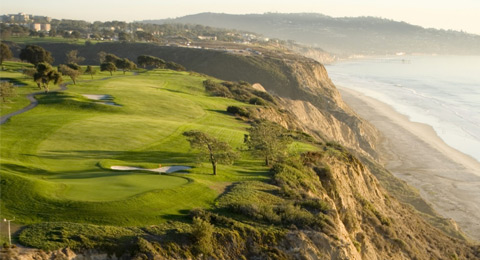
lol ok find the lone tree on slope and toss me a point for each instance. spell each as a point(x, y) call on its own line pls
point(90, 70)
point(125, 65)
point(35, 55)
point(216, 151)
point(72, 70)
point(108, 66)
point(268, 140)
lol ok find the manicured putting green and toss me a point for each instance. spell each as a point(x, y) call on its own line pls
point(103, 186)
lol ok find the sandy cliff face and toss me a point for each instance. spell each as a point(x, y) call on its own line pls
point(319, 108)
point(369, 223)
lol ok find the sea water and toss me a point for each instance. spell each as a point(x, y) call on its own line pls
point(441, 91)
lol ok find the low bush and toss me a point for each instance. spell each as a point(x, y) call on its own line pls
point(175, 66)
point(264, 95)
point(238, 111)
point(315, 205)
point(216, 89)
point(257, 101)
point(202, 232)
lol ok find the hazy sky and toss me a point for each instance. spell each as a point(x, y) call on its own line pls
point(445, 14)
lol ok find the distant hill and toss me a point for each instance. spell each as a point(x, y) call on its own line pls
point(343, 36)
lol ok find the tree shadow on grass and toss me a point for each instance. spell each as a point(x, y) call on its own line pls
point(90, 174)
point(175, 91)
point(164, 157)
point(23, 169)
point(223, 112)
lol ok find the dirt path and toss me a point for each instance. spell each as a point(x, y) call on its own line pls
point(33, 103)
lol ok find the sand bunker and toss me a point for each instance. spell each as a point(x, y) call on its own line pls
point(97, 97)
point(165, 169)
point(105, 99)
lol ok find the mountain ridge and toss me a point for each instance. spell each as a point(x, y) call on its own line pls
point(343, 36)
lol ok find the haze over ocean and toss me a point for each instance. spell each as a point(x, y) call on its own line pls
point(440, 91)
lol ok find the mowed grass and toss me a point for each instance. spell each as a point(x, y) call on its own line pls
point(53, 157)
point(112, 186)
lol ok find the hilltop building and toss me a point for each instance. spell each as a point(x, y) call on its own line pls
point(35, 23)
point(205, 37)
point(43, 27)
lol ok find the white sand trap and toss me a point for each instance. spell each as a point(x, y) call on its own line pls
point(102, 98)
point(166, 169)
point(97, 97)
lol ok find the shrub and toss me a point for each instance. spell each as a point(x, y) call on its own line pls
point(292, 179)
point(202, 232)
point(216, 89)
point(315, 205)
point(175, 66)
point(238, 111)
point(264, 95)
point(240, 92)
point(257, 101)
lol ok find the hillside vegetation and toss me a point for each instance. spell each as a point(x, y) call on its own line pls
point(319, 199)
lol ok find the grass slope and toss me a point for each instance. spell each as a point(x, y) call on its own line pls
point(55, 158)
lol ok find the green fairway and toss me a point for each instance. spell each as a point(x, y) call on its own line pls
point(110, 186)
point(55, 158)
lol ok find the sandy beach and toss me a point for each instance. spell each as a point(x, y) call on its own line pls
point(445, 177)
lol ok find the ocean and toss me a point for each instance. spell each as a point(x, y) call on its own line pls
point(440, 91)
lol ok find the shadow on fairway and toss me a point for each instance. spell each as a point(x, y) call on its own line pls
point(130, 156)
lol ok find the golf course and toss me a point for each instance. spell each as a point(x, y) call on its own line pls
point(56, 158)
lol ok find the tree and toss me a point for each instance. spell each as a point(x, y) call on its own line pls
point(5, 53)
point(72, 57)
point(45, 74)
point(111, 58)
point(95, 36)
point(123, 36)
point(216, 151)
point(76, 35)
point(147, 60)
point(144, 36)
point(35, 55)
point(7, 90)
point(267, 139)
point(52, 32)
point(108, 66)
point(125, 64)
point(90, 70)
point(72, 71)
point(101, 56)
point(175, 66)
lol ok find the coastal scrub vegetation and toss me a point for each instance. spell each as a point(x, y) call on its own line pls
point(241, 91)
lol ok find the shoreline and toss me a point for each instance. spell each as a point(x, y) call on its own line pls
point(447, 179)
